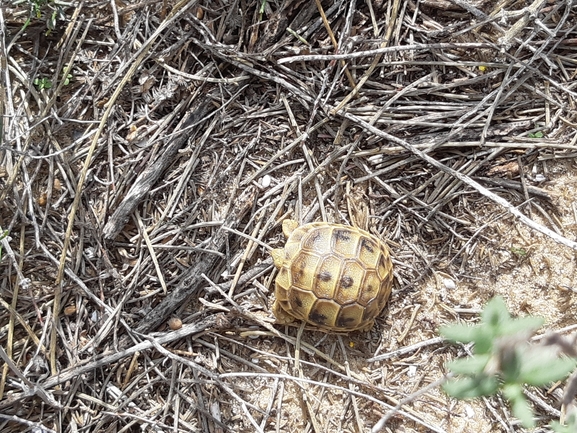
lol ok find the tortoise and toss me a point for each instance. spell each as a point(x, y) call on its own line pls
point(332, 276)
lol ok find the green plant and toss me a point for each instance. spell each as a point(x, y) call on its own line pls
point(521, 252)
point(538, 134)
point(42, 83)
point(570, 427)
point(67, 79)
point(503, 360)
point(49, 10)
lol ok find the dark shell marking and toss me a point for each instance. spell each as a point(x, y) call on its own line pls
point(335, 277)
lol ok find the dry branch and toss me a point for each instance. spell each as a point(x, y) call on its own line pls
point(104, 120)
point(148, 178)
point(192, 280)
point(467, 180)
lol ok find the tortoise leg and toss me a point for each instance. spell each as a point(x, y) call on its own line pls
point(278, 257)
point(282, 317)
point(289, 226)
point(367, 326)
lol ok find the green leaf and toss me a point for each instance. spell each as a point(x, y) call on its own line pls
point(569, 427)
point(519, 405)
point(495, 322)
point(528, 324)
point(557, 427)
point(484, 342)
point(469, 366)
point(469, 334)
point(458, 333)
point(510, 364)
point(540, 369)
point(519, 251)
point(471, 387)
point(51, 22)
point(495, 313)
point(42, 83)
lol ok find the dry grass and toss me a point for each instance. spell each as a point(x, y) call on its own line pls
point(149, 181)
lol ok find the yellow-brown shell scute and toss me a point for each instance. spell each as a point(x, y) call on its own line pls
point(333, 276)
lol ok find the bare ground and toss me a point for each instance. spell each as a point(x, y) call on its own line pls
point(150, 151)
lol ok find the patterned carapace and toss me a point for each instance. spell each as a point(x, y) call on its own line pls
point(332, 276)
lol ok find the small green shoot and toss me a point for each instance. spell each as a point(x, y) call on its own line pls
point(538, 134)
point(503, 360)
point(296, 35)
point(49, 10)
point(42, 83)
point(521, 252)
point(51, 21)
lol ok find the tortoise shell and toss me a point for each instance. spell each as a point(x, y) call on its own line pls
point(335, 277)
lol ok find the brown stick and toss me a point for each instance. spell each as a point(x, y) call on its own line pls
point(207, 262)
point(148, 177)
point(465, 179)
